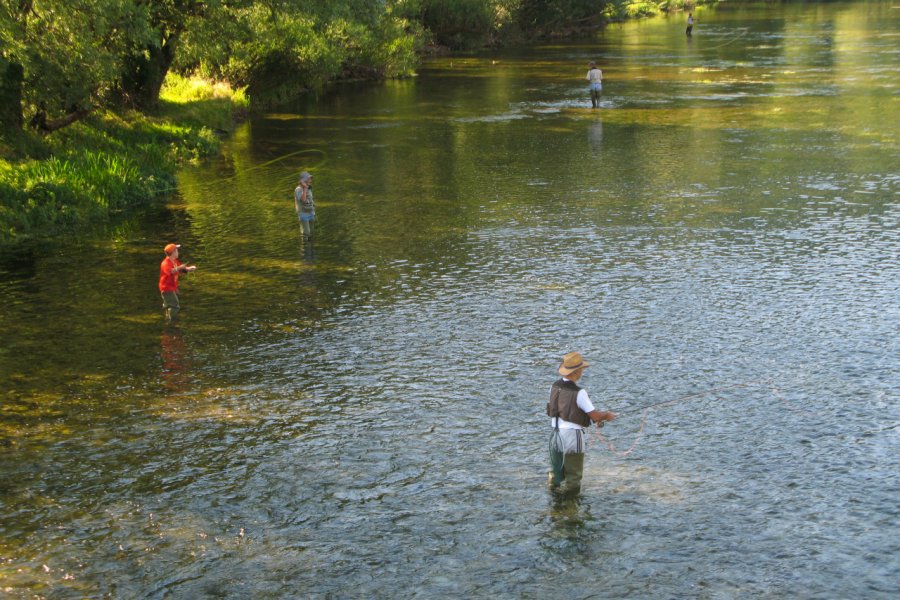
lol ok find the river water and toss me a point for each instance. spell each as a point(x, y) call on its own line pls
point(362, 416)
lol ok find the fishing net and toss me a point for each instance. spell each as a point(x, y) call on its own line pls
point(557, 456)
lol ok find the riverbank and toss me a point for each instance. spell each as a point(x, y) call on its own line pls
point(111, 161)
point(114, 160)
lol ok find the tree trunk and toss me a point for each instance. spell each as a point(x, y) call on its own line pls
point(51, 126)
point(11, 96)
point(147, 72)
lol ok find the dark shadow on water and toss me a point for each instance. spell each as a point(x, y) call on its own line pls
point(574, 533)
point(566, 509)
point(309, 252)
point(19, 263)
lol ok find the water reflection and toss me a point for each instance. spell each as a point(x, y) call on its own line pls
point(176, 362)
point(595, 136)
point(309, 255)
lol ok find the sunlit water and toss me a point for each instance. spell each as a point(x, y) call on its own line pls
point(363, 416)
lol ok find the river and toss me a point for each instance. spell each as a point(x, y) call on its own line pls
point(362, 415)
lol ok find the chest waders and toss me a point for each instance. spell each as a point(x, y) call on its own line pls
point(557, 455)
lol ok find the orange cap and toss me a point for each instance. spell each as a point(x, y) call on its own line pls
point(170, 248)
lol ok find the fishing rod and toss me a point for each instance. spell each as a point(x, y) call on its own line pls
point(766, 382)
point(695, 395)
point(646, 412)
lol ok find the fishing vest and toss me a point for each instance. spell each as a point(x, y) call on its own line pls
point(563, 403)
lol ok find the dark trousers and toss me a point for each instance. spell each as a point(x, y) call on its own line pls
point(171, 306)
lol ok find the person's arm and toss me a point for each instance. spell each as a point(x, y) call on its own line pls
point(184, 268)
point(598, 416)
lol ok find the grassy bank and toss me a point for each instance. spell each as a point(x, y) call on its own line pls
point(630, 9)
point(110, 161)
point(113, 160)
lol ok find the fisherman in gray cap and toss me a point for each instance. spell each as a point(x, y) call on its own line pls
point(304, 204)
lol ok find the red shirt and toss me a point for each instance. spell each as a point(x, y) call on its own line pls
point(168, 274)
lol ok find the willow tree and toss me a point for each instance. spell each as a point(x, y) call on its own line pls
point(279, 48)
point(169, 23)
point(59, 59)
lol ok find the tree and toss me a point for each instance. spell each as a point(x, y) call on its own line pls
point(547, 18)
point(145, 69)
point(279, 48)
point(61, 58)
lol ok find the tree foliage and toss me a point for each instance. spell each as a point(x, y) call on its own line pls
point(69, 53)
point(279, 48)
point(460, 23)
point(553, 17)
point(59, 59)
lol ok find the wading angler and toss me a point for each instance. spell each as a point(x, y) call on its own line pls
point(169, 269)
point(570, 410)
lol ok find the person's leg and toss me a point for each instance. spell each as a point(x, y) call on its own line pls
point(307, 230)
point(574, 469)
point(171, 306)
point(573, 461)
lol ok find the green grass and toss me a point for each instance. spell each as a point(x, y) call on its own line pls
point(90, 171)
point(632, 9)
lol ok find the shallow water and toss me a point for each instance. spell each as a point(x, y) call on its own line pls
point(362, 417)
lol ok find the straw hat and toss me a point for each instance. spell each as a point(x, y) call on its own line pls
point(572, 362)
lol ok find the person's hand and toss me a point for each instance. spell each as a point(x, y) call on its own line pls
point(191, 268)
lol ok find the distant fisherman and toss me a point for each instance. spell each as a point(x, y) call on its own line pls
point(690, 24)
point(169, 270)
point(595, 77)
point(304, 204)
point(571, 410)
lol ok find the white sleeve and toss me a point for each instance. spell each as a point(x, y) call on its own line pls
point(584, 402)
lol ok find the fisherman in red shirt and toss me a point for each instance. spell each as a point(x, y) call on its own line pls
point(168, 280)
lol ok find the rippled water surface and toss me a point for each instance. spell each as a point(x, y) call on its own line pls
point(363, 416)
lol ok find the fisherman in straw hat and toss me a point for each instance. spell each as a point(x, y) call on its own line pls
point(571, 410)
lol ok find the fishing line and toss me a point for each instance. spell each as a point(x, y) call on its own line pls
point(874, 431)
point(743, 32)
point(646, 411)
point(205, 187)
